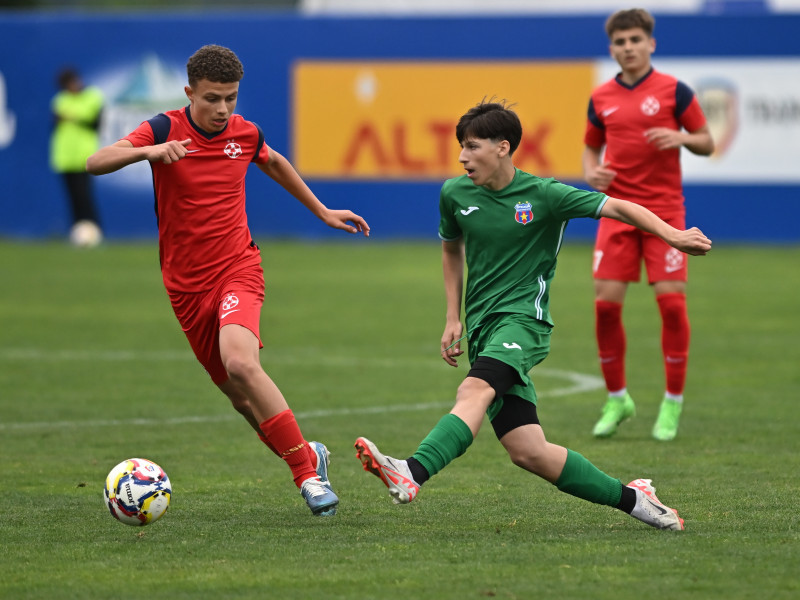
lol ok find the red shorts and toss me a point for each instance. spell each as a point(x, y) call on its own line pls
point(236, 300)
point(620, 248)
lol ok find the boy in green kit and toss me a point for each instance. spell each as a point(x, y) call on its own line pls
point(507, 226)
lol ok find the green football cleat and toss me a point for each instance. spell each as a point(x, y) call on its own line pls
point(666, 427)
point(615, 412)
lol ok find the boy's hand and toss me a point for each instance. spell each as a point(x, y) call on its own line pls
point(169, 152)
point(692, 241)
point(601, 177)
point(341, 219)
point(451, 343)
point(664, 138)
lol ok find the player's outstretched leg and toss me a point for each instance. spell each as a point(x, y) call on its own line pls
point(392, 471)
point(615, 411)
point(649, 509)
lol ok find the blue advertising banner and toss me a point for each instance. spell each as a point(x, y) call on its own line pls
point(138, 61)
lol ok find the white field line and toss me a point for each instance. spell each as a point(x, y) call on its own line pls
point(575, 383)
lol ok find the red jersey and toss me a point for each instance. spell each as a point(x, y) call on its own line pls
point(200, 200)
point(619, 115)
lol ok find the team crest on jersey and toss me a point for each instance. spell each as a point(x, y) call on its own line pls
point(524, 213)
point(233, 150)
point(650, 106)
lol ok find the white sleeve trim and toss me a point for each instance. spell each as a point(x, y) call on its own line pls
point(599, 208)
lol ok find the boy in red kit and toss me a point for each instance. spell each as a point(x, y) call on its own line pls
point(637, 123)
point(210, 264)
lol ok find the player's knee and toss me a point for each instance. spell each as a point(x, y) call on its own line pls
point(673, 310)
point(241, 368)
point(530, 457)
point(473, 395)
point(528, 453)
point(608, 313)
point(471, 388)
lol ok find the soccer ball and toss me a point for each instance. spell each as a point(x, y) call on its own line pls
point(85, 234)
point(137, 491)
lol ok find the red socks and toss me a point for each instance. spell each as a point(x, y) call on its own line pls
point(281, 434)
point(674, 339)
point(675, 331)
point(611, 343)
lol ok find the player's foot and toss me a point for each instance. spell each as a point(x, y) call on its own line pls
point(649, 509)
point(615, 412)
point(392, 471)
point(666, 426)
point(320, 450)
point(319, 497)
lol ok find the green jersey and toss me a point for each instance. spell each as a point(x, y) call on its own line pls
point(511, 238)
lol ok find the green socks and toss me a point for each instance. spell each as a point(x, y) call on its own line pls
point(447, 441)
point(582, 479)
point(451, 437)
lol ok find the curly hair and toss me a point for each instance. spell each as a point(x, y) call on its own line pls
point(631, 19)
point(214, 63)
point(491, 121)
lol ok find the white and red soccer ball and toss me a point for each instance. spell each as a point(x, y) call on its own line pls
point(137, 491)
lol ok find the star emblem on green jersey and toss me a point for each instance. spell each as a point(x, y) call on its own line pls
point(523, 213)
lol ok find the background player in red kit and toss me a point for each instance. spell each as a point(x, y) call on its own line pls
point(641, 118)
point(210, 264)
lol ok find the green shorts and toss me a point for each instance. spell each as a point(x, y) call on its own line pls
point(519, 341)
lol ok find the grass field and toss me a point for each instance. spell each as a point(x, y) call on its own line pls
point(95, 369)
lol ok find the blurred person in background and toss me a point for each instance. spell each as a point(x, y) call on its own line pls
point(637, 124)
point(77, 110)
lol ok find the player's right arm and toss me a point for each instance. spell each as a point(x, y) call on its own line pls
point(691, 241)
point(453, 269)
point(123, 153)
point(596, 173)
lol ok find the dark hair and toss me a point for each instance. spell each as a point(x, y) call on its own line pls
point(214, 63)
point(490, 121)
point(66, 76)
point(630, 19)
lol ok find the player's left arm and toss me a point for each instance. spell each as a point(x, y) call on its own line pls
point(698, 142)
point(691, 241)
point(691, 129)
point(453, 261)
point(284, 174)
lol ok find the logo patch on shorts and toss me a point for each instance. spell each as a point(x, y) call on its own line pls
point(673, 260)
point(230, 302)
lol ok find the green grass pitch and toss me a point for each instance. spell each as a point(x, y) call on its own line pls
point(94, 369)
